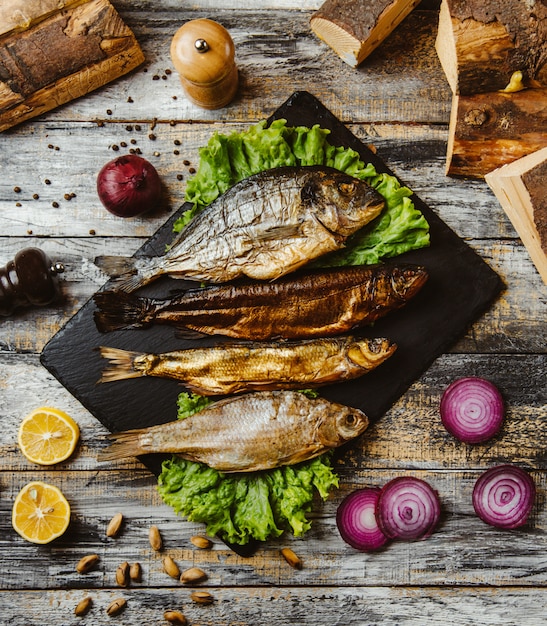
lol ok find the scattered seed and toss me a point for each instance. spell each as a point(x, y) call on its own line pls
point(47, 181)
point(291, 558)
point(55, 205)
point(170, 567)
point(29, 232)
point(132, 151)
point(172, 123)
point(109, 111)
point(17, 189)
point(157, 154)
point(19, 204)
point(168, 71)
point(138, 127)
point(86, 563)
point(114, 525)
point(154, 537)
point(193, 575)
point(135, 572)
point(175, 617)
point(192, 170)
point(177, 152)
point(133, 141)
point(116, 606)
point(138, 151)
point(67, 197)
point(177, 142)
point(155, 77)
point(56, 148)
point(151, 136)
point(115, 148)
point(201, 542)
point(35, 196)
point(100, 124)
point(129, 99)
point(50, 146)
point(164, 77)
point(92, 231)
point(186, 162)
point(83, 606)
point(122, 574)
point(180, 176)
point(202, 597)
point(174, 97)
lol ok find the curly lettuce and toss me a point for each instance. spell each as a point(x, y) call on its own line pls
point(244, 507)
point(227, 159)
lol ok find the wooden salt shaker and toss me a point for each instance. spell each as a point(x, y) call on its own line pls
point(203, 54)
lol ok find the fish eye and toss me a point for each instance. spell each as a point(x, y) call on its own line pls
point(351, 419)
point(346, 189)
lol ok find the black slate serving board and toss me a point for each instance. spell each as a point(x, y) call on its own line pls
point(460, 288)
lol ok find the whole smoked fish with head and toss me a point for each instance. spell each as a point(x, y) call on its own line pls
point(263, 227)
point(255, 431)
point(238, 367)
point(315, 304)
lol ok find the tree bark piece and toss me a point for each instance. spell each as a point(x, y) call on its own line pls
point(354, 28)
point(481, 43)
point(489, 130)
point(61, 57)
point(521, 188)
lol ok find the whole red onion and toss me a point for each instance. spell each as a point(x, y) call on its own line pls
point(129, 186)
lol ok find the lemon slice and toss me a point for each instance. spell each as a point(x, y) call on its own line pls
point(40, 513)
point(48, 436)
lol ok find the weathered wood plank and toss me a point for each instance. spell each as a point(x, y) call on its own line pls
point(277, 56)
point(289, 606)
point(409, 434)
point(463, 551)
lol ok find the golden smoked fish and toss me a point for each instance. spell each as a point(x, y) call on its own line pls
point(237, 367)
point(263, 227)
point(315, 304)
point(255, 431)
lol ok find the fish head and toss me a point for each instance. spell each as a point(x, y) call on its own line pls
point(368, 353)
point(343, 424)
point(407, 280)
point(341, 203)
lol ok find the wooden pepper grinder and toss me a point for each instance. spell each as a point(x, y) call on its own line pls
point(203, 54)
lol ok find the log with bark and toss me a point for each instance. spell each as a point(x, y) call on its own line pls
point(482, 43)
point(489, 130)
point(521, 188)
point(354, 28)
point(49, 56)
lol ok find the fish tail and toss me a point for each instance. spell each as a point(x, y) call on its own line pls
point(123, 445)
point(128, 273)
point(118, 309)
point(122, 365)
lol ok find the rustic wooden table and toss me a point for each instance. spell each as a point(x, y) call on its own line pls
point(399, 101)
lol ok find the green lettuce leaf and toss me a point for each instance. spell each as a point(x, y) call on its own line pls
point(244, 507)
point(227, 159)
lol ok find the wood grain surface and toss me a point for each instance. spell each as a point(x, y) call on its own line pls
point(398, 101)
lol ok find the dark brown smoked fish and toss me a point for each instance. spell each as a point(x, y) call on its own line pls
point(316, 304)
point(258, 366)
point(263, 227)
point(255, 431)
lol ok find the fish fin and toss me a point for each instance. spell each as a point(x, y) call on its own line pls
point(123, 445)
point(118, 309)
point(188, 333)
point(122, 365)
point(284, 231)
point(126, 272)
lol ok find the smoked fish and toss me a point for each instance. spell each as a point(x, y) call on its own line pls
point(263, 227)
point(256, 431)
point(241, 367)
point(315, 304)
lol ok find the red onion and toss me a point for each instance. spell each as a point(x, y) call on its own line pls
point(356, 520)
point(129, 186)
point(472, 410)
point(503, 496)
point(408, 508)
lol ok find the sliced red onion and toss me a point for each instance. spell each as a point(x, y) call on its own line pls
point(472, 409)
point(408, 508)
point(503, 496)
point(356, 520)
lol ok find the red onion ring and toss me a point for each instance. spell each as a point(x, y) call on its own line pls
point(472, 409)
point(356, 520)
point(503, 496)
point(408, 508)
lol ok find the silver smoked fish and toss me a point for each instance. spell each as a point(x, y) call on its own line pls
point(240, 367)
point(263, 227)
point(256, 431)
